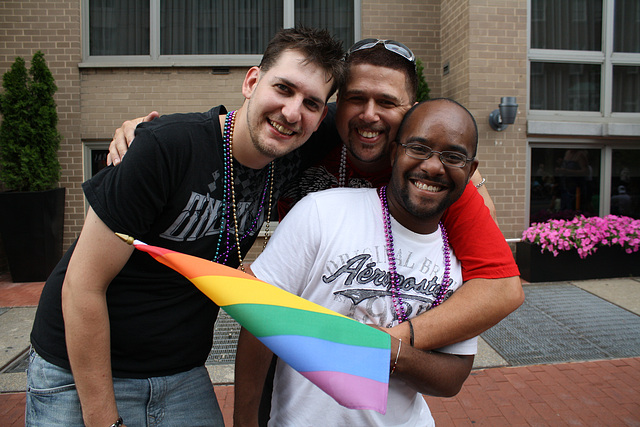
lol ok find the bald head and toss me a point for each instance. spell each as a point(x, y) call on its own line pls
point(433, 160)
point(450, 116)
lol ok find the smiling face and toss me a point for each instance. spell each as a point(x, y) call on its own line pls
point(370, 109)
point(283, 106)
point(420, 190)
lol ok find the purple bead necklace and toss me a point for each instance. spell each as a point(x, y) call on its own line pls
point(229, 207)
point(393, 275)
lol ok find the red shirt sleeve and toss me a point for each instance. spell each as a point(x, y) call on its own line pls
point(476, 239)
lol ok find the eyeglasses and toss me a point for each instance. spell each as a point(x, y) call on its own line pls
point(390, 45)
point(448, 158)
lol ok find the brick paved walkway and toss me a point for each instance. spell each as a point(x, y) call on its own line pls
point(601, 393)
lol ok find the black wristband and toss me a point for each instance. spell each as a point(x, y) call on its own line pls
point(118, 422)
point(410, 332)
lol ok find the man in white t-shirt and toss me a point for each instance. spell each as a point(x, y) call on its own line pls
point(335, 248)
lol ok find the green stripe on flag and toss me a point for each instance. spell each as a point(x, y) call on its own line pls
point(270, 320)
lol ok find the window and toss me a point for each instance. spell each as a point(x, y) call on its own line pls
point(569, 87)
point(625, 182)
point(567, 25)
point(585, 56)
point(565, 182)
point(626, 87)
point(570, 180)
point(117, 28)
point(197, 32)
point(94, 157)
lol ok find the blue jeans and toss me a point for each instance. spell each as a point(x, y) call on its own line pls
point(184, 399)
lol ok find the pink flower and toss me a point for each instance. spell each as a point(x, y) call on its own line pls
point(585, 234)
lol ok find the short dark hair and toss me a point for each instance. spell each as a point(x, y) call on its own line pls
point(412, 110)
point(380, 56)
point(317, 45)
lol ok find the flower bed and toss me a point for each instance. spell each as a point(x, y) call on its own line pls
point(581, 248)
point(585, 234)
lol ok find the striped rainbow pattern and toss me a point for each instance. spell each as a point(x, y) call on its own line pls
point(348, 360)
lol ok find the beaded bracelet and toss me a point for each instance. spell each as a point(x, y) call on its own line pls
point(481, 183)
point(397, 355)
point(410, 332)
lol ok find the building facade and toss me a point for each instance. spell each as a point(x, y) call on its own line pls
point(573, 66)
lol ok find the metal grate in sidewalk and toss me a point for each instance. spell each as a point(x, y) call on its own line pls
point(562, 323)
point(225, 340)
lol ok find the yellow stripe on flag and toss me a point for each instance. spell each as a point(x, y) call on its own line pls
point(239, 290)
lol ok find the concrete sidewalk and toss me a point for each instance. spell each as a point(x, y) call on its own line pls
point(586, 370)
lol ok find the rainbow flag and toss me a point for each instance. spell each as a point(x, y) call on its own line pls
point(348, 360)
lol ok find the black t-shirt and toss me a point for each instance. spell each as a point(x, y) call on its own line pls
point(168, 192)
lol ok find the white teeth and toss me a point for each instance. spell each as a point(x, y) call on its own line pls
point(426, 187)
point(368, 133)
point(281, 128)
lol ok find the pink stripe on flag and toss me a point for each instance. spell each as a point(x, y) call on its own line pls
point(340, 386)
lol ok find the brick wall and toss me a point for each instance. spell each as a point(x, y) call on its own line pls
point(110, 96)
point(415, 23)
point(455, 50)
point(498, 67)
point(53, 27)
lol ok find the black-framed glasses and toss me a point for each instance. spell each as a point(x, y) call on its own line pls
point(390, 45)
point(448, 158)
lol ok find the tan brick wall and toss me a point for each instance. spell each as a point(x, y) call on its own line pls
point(110, 96)
point(498, 67)
point(53, 27)
point(455, 49)
point(415, 23)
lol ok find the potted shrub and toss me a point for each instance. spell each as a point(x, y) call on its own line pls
point(422, 91)
point(581, 248)
point(32, 208)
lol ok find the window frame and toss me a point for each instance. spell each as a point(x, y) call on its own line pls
point(155, 59)
point(601, 123)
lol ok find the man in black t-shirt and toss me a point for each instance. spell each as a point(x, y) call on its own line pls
point(134, 333)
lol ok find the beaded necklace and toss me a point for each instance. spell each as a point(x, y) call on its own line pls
point(229, 197)
point(393, 275)
point(342, 171)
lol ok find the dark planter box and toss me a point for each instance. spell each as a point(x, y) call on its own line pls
point(607, 262)
point(31, 224)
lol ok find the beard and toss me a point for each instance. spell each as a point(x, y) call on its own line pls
point(424, 209)
point(363, 152)
point(258, 141)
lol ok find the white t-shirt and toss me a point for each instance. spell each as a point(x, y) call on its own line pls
point(331, 250)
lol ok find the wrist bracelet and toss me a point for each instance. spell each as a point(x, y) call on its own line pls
point(397, 355)
point(410, 332)
point(118, 423)
point(481, 183)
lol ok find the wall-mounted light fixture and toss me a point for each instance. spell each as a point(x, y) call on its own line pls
point(500, 118)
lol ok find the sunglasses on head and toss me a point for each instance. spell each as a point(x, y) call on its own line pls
point(390, 45)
